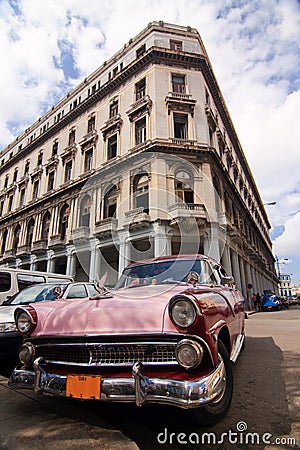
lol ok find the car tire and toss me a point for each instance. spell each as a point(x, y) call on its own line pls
point(214, 411)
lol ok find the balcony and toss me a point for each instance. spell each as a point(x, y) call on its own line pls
point(105, 228)
point(138, 108)
point(23, 181)
point(225, 222)
point(11, 189)
point(179, 211)
point(52, 163)
point(23, 251)
point(37, 172)
point(69, 152)
point(39, 247)
point(180, 102)
point(81, 234)
point(56, 242)
point(89, 139)
point(9, 256)
point(235, 234)
point(182, 142)
point(137, 218)
point(112, 125)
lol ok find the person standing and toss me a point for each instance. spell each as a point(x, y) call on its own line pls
point(254, 300)
point(258, 301)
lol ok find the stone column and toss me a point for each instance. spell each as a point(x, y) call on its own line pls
point(226, 260)
point(243, 279)
point(124, 251)
point(211, 246)
point(71, 261)
point(162, 242)
point(50, 261)
point(94, 262)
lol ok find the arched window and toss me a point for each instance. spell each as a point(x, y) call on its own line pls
point(4, 239)
point(30, 229)
point(85, 211)
point(141, 192)
point(46, 226)
point(183, 187)
point(17, 232)
point(110, 203)
point(64, 218)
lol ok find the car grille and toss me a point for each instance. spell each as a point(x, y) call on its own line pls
point(108, 354)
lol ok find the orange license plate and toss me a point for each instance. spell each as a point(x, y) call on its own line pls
point(83, 386)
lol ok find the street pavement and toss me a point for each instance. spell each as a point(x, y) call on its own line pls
point(30, 422)
point(266, 400)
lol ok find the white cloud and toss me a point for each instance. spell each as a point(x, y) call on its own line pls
point(286, 244)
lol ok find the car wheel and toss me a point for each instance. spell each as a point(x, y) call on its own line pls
point(214, 411)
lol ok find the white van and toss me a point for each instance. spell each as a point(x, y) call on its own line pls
point(14, 280)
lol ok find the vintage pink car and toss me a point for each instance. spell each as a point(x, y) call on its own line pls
point(167, 334)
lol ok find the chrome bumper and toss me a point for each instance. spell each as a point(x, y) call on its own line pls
point(138, 389)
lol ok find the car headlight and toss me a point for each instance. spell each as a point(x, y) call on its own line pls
point(26, 353)
point(183, 312)
point(26, 319)
point(189, 354)
point(6, 327)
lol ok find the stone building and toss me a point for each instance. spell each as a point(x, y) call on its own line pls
point(140, 160)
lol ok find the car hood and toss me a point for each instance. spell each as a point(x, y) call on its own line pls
point(130, 311)
point(7, 313)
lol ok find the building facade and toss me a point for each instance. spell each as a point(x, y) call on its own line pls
point(285, 285)
point(140, 160)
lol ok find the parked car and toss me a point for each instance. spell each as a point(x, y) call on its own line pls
point(167, 334)
point(10, 338)
point(295, 301)
point(286, 302)
point(271, 302)
point(13, 281)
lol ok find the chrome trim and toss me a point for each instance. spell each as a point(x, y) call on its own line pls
point(18, 311)
point(196, 346)
point(237, 347)
point(177, 297)
point(92, 347)
point(177, 338)
point(30, 347)
point(138, 388)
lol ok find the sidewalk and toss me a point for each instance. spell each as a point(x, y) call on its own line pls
point(29, 422)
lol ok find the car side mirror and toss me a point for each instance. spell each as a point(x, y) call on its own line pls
point(227, 280)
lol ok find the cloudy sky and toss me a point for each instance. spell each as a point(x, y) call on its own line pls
point(47, 47)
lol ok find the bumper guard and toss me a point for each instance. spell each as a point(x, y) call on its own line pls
point(138, 389)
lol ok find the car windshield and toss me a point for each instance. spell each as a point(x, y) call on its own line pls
point(161, 272)
point(37, 293)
